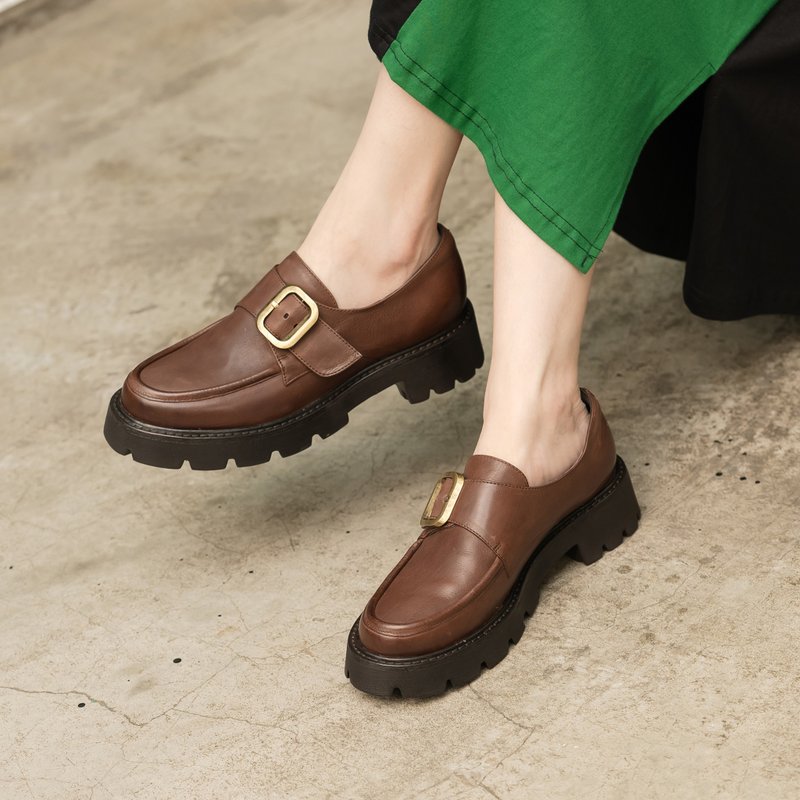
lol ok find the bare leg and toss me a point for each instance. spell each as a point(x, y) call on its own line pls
point(379, 222)
point(533, 415)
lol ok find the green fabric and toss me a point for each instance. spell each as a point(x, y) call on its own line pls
point(561, 95)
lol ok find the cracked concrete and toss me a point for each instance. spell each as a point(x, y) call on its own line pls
point(155, 159)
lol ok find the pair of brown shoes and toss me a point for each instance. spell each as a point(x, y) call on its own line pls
point(288, 363)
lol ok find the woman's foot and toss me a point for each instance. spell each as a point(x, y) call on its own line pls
point(543, 436)
point(544, 481)
point(461, 593)
point(363, 257)
point(372, 298)
point(288, 364)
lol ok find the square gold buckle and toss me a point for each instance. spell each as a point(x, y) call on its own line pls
point(428, 520)
point(301, 330)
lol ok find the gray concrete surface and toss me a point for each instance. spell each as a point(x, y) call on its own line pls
point(155, 159)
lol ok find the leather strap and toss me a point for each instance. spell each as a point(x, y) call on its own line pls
point(322, 350)
point(483, 508)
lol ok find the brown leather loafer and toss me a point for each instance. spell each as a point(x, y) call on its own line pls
point(461, 593)
point(288, 363)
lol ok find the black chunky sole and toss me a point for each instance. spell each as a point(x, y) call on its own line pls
point(433, 365)
point(599, 525)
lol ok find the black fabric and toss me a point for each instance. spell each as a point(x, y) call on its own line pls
point(386, 17)
point(718, 183)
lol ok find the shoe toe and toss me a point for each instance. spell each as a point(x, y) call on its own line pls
point(181, 386)
point(433, 597)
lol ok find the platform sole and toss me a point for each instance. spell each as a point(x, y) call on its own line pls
point(430, 366)
point(586, 534)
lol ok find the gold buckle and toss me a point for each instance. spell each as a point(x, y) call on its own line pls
point(303, 328)
point(444, 515)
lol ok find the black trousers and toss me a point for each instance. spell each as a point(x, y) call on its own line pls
point(718, 183)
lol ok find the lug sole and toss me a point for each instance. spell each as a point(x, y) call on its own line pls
point(586, 534)
point(435, 365)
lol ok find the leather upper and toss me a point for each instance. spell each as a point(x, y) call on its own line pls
point(455, 577)
point(229, 375)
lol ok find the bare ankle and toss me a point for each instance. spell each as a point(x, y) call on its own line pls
point(362, 263)
point(543, 436)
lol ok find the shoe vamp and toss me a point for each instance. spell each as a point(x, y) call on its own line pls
point(446, 576)
point(228, 353)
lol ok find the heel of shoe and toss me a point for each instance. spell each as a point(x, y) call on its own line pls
point(614, 516)
point(456, 358)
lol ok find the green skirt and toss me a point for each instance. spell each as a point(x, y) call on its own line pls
point(560, 96)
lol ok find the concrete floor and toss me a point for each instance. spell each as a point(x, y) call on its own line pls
point(155, 159)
